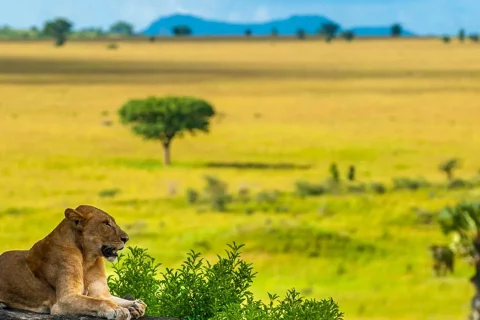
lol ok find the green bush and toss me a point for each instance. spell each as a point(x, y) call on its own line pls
point(136, 276)
point(409, 184)
point(216, 193)
point(192, 196)
point(198, 290)
point(459, 184)
point(108, 193)
point(305, 189)
point(378, 188)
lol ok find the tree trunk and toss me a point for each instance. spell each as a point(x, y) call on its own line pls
point(166, 154)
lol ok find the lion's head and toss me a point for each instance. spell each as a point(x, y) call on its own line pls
point(98, 233)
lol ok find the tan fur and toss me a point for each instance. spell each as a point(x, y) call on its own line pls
point(64, 273)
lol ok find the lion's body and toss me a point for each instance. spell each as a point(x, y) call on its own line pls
point(64, 273)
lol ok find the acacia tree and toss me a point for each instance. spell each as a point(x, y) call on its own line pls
point(122, 27)
point(166, 118)
point(396, 30)
point(58, 28)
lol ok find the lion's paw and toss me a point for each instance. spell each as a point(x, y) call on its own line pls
point(118, 314)
point(137, 309)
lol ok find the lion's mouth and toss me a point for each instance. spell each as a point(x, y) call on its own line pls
point(111, 253)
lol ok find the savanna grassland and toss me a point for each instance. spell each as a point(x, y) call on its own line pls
point(391, 108)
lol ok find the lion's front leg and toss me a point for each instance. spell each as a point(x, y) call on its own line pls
point(99, 289)
point(71, 301)
point(136, 307)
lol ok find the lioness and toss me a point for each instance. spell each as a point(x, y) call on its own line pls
point(64, 273)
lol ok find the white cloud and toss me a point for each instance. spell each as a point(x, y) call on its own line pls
point(261, 14)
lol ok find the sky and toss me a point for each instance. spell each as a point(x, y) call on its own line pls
point(419, 16)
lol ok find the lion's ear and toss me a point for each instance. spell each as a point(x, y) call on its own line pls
point(75, 216)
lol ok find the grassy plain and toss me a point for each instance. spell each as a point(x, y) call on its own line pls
point(392, 108)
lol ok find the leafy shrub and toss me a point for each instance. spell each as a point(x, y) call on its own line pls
point(293, 307)
point(446, 39)
point(378, 188)
point(136, 277)
point(112, 46)
point(198, 290)
point(305, 189)
point(474, 37)
point(192, 196)
point(108, 193)
point(448, 167)
point(409, 184)
point(351, 173)
point(356, 188)
point(216, 193)
point(334, 172)
point(460, 184)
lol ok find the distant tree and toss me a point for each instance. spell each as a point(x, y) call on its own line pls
point(58, 29)
point(248, 32)
point(446, 39)
point(122, 27)
point(396, 30)
point(448, 167)
point(334, 172)
point(461, 35)
point(351, 173)
point(182, 30)
point(166, 118)
point(274, 32)
point(474, 37)
point(329, 30)
point(151, 39)
point(348, 35)
point(301, 34)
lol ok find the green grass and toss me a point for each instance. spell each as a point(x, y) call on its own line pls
point(283, 103)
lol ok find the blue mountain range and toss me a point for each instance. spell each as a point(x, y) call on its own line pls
point(288, 26)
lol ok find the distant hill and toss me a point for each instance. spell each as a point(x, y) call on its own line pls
point(377, 32)
point(202, 27)
point(289, 26)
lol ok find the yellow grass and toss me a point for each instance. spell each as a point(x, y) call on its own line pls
point(392, 108)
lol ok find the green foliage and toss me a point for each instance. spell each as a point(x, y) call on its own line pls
point(329, 30)
point(109, 193)
point(216, 192)
point(448, 167)
point(199, 290)
point(305, 189)
point(463, 221)
point(461, 35)
point(335, 174)
point(474, 37)
point(122, 28)
point(378, 188)
point(409, 184)
point(459, 184)
point(446, 39)
point(182, 31)
point(136, 276)
point(151, 38)
point(396, 30)
point(191, 196)
point(112, 46)
point(348, 35)
point(293, 307)
point(301, 34)
point(351, 173)
point(166, 118)
point(58, 29)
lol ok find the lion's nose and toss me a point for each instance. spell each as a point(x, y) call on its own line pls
point(124, 239)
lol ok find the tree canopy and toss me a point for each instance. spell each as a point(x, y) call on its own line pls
point(58, 28)
point(122, 27)
point(165, 118)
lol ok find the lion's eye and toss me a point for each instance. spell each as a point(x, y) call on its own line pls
point(108, 224)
